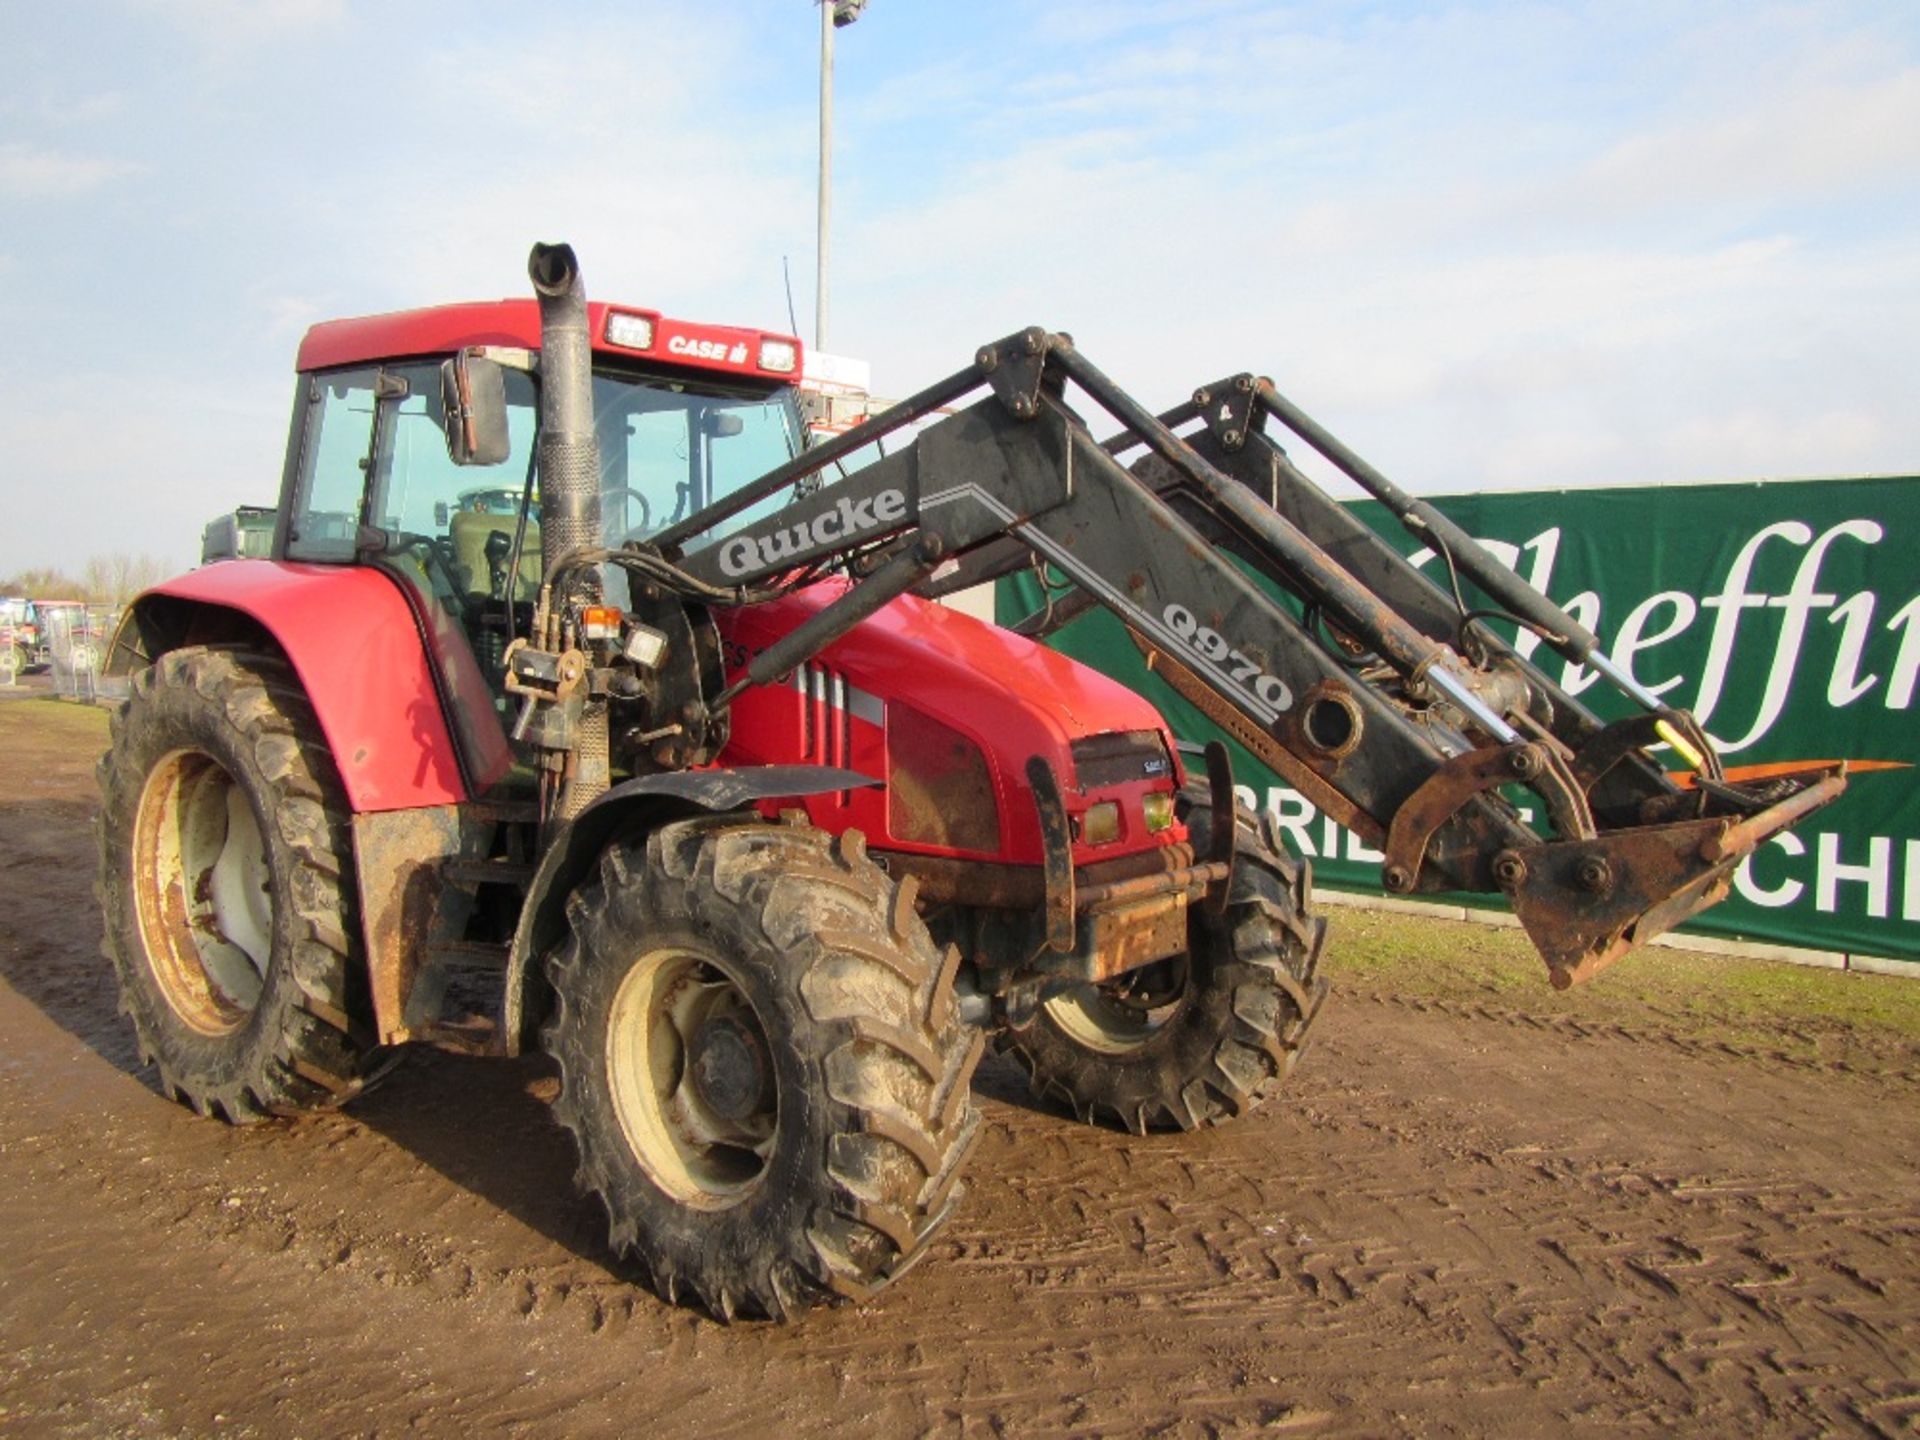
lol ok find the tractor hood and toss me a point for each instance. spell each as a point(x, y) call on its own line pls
point(918, 685)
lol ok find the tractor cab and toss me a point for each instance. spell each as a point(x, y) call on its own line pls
point(684, 415)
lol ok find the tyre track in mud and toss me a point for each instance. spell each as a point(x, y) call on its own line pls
point(1456, 1220)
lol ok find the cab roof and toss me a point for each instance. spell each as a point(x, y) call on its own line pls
point(645, 335)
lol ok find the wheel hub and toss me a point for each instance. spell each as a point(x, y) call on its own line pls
point(729, 1069)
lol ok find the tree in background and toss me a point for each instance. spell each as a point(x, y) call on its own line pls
point(104, 580)
point(115, 579)
point(43, 584)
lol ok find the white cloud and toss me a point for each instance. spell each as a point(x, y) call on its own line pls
point(1809, 142)
point(33, 172)
point(1487, 244)
point(223, 25)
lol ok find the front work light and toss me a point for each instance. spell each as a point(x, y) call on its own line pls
point(629, 332)
point(780, 356)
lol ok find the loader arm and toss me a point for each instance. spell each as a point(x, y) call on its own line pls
point(1412, 748)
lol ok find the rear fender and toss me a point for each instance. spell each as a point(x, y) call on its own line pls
point(632, 808)
point(354, 641)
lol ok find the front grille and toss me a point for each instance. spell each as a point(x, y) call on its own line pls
point(1120, 758)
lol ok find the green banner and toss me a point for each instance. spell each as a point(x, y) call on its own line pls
point(1784, 614)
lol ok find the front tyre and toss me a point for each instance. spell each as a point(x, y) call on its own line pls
point(762, 1065)
point(1198, 1038)
point(225, 880)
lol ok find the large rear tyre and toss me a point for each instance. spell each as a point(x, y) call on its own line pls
point(1198, 1038)
point(762, 1065)
point(225, 881)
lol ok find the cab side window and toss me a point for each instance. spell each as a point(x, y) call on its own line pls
point(333, 465)
point(467, 514)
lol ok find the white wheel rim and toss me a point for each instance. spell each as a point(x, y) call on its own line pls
point(697, 1154)
point(1121, 1016)
point(203, 892)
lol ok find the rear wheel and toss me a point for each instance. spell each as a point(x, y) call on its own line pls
point(762, 1065)
point(225, 881)
point(1197, 1038)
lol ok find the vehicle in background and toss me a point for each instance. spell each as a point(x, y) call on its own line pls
point(244, 533)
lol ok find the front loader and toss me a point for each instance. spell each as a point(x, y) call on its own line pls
point(579, 708)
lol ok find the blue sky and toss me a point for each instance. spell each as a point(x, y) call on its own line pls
point(1499, 244)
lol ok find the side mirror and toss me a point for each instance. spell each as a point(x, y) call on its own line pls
point(473, 398)
point(722, 423)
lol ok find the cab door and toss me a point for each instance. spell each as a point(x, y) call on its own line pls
point(375, 487)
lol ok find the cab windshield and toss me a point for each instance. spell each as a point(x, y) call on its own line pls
point(668, 450)
point(668, 447)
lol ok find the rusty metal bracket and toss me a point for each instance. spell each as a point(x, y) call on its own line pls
point(1014, 368)
point(1222, 848)
point(1745, 836)
point(1586, 903)
point(1056, 844)
point(1612, 745)
point(1264, 747)
point(1230, 409)
point(1474, 773)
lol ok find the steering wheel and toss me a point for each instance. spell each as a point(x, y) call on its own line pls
point(624, 493)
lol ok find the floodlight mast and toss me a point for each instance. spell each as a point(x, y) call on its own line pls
point(834, 14)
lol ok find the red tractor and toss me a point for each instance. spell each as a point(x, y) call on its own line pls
point(581, 708)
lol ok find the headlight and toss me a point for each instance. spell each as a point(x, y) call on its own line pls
point(1100, 824)
point(1159, 808)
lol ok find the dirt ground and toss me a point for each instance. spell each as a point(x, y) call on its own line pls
point(1459, 1220)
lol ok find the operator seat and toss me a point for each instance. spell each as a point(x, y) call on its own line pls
point(470, 530)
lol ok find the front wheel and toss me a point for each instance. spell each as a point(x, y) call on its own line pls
point(1197, 1038)
point(226, 880)
point(762, 1065)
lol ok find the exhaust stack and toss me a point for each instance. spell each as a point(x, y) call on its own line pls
point(569, 458)
point(569, 451)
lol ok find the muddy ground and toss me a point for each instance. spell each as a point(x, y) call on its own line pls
point(1459, 1220)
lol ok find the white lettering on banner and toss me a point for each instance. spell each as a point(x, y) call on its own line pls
point(1630, 640)
point(1873, 875)
point(1760, 879)
point(1900, 687)
point(1781, 895)
point(1797, 603)
point(1734, 607)
point(1845, 686)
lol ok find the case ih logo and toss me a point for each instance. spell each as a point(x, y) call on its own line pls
point(744, 554)
point(735, 354)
